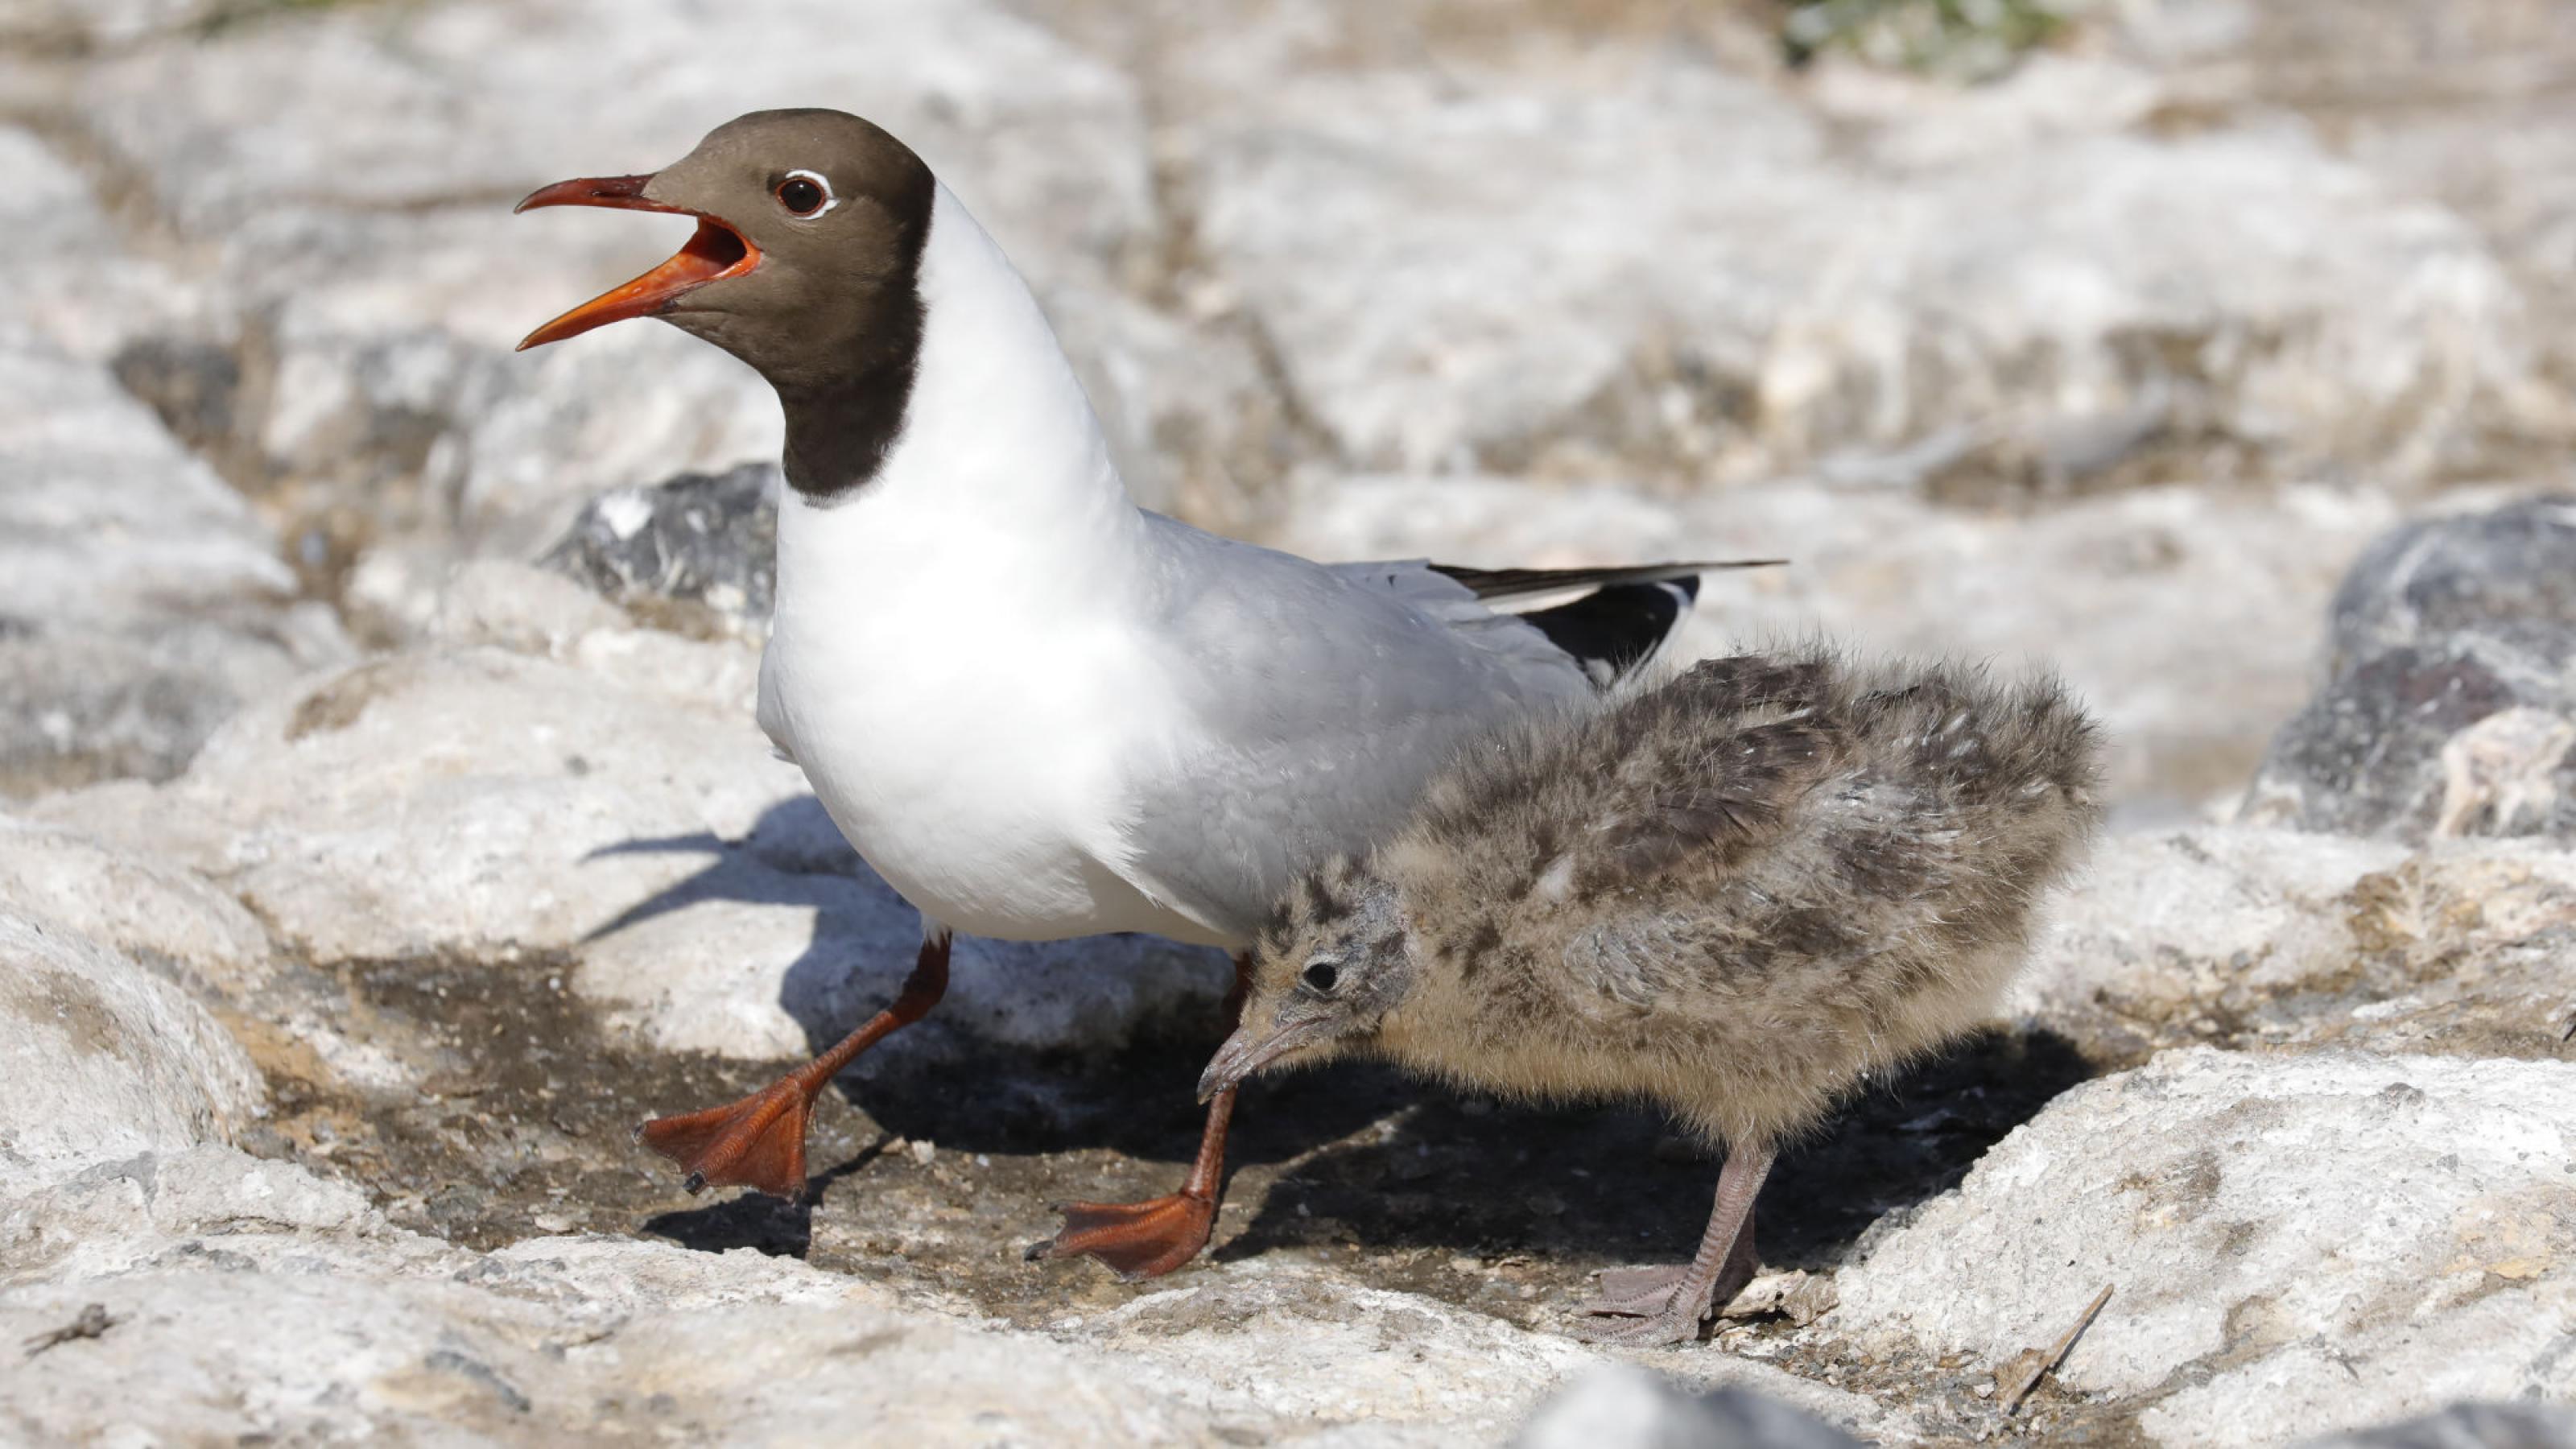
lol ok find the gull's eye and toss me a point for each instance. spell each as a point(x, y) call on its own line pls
point(804, 193)
point(1321, 977)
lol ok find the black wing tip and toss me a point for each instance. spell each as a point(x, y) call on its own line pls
point(1615, 630)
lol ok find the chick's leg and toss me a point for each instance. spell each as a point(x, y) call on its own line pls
point(1138, 1240)
point(1647, 1306)
point(759, 1142)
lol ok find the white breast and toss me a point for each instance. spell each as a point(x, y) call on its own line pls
point(952, 657)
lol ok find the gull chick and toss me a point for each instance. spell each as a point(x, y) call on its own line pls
point(1736, 895)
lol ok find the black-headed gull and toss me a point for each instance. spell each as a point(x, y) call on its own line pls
point(1037, 710)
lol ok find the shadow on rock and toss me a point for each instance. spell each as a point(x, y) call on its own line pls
point(1130, 1043)
point(776, 1227)
point(1606, 1184)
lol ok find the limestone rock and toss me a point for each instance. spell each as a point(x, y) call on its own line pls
point(150, 909)
point(103, 1060)
point(2364, 1237)
point(1702, 283)
point(2244, 937)
point(257, 1299)
point(77, 283)
point(482, 803)
point(140, 600)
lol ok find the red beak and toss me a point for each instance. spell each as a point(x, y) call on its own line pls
point(715, 253)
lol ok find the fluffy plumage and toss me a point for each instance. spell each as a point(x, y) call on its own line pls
point(1735, 894)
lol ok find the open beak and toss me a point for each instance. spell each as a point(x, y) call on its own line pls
point(715, 253)
point(1251, 1048)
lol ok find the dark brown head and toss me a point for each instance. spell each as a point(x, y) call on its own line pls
point(805, 265)
point(1335, 960)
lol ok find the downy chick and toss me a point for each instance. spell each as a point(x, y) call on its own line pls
point(1735, 894)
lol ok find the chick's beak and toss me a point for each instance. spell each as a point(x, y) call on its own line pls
point(1251, 1048)
point(717, 251)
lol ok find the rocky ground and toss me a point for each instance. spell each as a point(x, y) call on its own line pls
point(383, 830)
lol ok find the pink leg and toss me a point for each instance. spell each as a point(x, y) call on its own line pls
point(1647, 1306)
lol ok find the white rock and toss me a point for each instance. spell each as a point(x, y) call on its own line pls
point(2311, 939)
point(478, 103)
point(1643, 259)
point(97, 22)
point(489, 803)
point(74, 281)
point(2158, 920)
point(103, 1060)
point(2468, 1426)
point(257, 1299)
point(143, 601)
point(467, 800)
point(147, 908)
point(1310, 1347)
point(107, 517)
point(2330, 1227)
point(119, 1214)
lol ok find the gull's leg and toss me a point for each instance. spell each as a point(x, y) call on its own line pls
point(1650, 1306)
point(759, 1141)
point(1150, 1238)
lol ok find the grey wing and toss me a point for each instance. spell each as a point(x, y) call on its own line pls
point(1318, 702)
point(1435, 593)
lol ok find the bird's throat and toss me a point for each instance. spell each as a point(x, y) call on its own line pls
point(839, 435)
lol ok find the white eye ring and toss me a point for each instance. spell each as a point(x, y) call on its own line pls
point(824, 183)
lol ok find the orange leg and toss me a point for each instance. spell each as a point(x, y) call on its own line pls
point(759, 1142)
point(1147, 1239)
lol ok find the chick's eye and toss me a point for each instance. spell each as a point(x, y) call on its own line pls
point(1321, 977)
point(802, 194)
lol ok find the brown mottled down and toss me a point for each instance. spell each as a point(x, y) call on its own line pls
point(1737, 894)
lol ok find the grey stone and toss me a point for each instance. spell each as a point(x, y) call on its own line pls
point(1634, 1409)
point(697, 552)
point(97, 22)
point(2450, 706)
point(2469, 1426)
point(76, 282)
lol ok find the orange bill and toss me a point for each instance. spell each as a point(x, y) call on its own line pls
point(715, 252)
